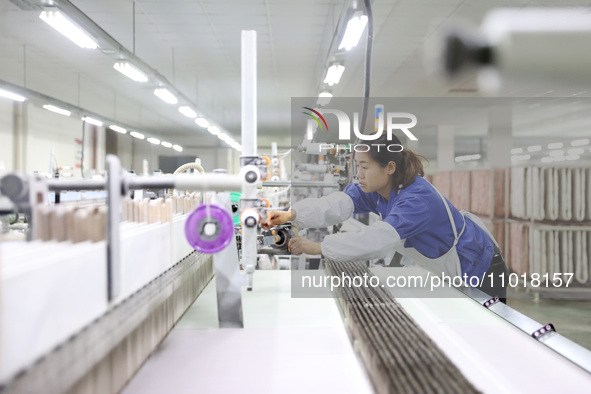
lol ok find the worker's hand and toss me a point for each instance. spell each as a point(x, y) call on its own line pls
point(275, 218)
point(300, 245)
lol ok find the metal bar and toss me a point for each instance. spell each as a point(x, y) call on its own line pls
point(299, 184)
point(561, 345)
point(63, 185)
point(215, 182)
point(113, 229)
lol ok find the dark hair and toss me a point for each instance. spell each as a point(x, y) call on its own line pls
point(408, 163)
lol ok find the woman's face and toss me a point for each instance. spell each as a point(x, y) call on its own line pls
point(372, 176)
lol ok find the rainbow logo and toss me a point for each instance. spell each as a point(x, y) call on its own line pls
point(315, 118)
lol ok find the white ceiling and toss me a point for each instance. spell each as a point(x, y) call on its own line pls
point(195, 44)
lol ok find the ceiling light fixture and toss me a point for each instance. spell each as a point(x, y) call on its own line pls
point(62, 24)
point(165, 95)
point(521, 157)
point(516, 151)
point(130, 71)
point(555, 145)
point(534, 148)
point(57, 110)
point(118, 129)
point(12, 96)
point(177, 148)
point(166, 144)
point(355, 28)
point(582, 142)
point(154, 141)
point(334, 73)
point(188, 111)
point(202, 122)
point(93, 121)
point(213, 130)
point(137, 135)
point(324, 98)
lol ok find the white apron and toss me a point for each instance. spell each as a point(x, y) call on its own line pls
point(449, 263)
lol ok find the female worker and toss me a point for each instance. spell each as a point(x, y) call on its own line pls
point(417, 221)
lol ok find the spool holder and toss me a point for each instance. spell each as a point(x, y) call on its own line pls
point(209, 228)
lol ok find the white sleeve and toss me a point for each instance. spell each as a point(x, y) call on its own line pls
point(371, 242)
point(324, 211)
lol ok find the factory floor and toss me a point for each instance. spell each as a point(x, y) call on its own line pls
point(571, 318)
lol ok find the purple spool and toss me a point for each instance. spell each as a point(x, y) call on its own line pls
point(209, 217)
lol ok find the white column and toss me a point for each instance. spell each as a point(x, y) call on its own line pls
point(445, 148)
point(20, 133)
point(500, 136)
point(249, 93)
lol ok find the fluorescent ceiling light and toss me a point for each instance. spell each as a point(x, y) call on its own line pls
point(467, 158)
point(333, 75)
point(559, 158)
point(516, 151)
point(137, 135)
point(521, 157)
point(576, 151)
point(547, 159)
point(93, 121)
point(12, 96)
point(118, 129)
point(154, 141)
point(188, 111)
point(324, 98)
point(573, 157)
point(177, 148)
point(355, 28)
point(60, 23)
point(580, 142)
point(213, 130)
point(556, 153)
point(223, 136)
point(57, 110)
point(555, 145)
point(202, 122)
point(166, 144)
point(165, 95)
point(130, 71)
point(534, 148)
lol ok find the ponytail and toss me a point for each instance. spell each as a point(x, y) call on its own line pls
point(411, 167)
point(408, 163)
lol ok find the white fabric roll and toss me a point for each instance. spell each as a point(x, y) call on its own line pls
point(537, 252)
point(529, 185)
point(534, 193)
point(566, 252)
point(518, 192)
point(588, 238)
point(565, 194)
point(580, 257)
point(578, 200)
point(551, 185)
point(588, 194)
point(539, 196)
